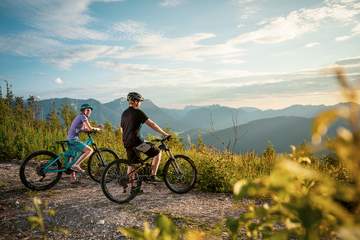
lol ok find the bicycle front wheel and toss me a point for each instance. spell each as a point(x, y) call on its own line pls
point(37, 174)
point(115, 182)
point(180, 174)
point(98, 161)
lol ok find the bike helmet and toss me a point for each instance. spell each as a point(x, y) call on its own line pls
point(134, 96)
point(85, 106)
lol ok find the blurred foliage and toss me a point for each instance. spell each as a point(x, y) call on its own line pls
point(164, 229)
point(306, 202)
point(42, 219)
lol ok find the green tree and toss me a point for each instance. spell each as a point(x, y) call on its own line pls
point(269, 152)
point(68, 113)
point(9, 93)
point(53, 118)
point(33, 107)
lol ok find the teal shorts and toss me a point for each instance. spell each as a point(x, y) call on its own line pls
point(76, 145)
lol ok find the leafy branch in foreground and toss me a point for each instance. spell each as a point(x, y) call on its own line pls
point(164, 229)
point(306, 203)
point(42, 218)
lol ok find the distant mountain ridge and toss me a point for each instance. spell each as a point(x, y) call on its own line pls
point(255, 136)
point(214, 117)
point(254, 127)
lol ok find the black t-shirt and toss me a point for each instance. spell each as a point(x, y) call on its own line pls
point(131, 122)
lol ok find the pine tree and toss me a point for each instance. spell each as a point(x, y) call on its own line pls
point(269, 152)
point(18, 107)
point(33, 108)
point(9, 94)
point(68, 113)
point(52, 118)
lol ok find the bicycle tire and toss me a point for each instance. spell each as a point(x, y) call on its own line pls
point(170, 174)
point(24, 179)
point(115, 177)
point(96, 167)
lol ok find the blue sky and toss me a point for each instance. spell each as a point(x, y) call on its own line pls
point(260, 53)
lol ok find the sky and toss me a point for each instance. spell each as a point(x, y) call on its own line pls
point(255, 53)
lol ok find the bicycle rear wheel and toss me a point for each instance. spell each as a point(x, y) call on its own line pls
point(180, 174)
point(115, 182)
point(33, 174)
point(98, 161)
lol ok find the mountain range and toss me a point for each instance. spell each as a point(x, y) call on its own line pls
point(250, 128)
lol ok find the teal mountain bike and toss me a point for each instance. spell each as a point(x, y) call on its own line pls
point(41, 170)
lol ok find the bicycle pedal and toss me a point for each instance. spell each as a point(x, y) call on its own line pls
point(137, 190)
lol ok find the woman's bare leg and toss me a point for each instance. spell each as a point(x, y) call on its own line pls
point(86, 154)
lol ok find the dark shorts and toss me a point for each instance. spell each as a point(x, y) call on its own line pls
point(133, 154)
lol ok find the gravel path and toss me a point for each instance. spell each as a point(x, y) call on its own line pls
point(88, 214)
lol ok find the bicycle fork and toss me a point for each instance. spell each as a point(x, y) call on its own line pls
point(174, 163)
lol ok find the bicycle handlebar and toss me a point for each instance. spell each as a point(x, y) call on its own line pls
point(93, 131)
point(162, 139)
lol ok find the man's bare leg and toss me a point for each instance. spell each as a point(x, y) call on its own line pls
point(131, 176)
point(155, 164)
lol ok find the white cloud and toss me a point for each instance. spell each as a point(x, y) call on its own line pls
point(355, 31)
point(129, 27)
point(32, 44)
point(188, 48)
point(300, 22)
point(59, 81)
point(141, 75)
point(247, 8)
point(313, 44)
point(342, 38)
point(170, 3)
point(232, 61)
point(132, 30)
point(66, 19)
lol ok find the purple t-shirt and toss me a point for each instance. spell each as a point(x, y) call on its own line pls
point(76, 126)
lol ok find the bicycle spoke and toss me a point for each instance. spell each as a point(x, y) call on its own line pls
point(34, 171)
point(116, 183)
point(99, 161)
point(180, 174)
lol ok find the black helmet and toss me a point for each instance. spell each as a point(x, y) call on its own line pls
point(134, 96)
point(85, 106)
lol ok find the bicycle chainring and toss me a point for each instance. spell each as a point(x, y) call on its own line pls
point(40, 170)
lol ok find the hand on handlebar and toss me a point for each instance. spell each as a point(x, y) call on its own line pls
point(97, 129)
point(167, 137)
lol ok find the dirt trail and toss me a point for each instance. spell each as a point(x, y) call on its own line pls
point(88, 214)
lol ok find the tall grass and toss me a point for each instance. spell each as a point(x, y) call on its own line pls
point(21, 133)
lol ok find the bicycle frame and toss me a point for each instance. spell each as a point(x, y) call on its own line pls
point(163, 148)
point(66, 154)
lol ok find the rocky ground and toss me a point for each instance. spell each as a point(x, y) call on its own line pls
point(86, 213)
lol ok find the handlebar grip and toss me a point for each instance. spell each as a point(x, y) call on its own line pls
point(167, 137)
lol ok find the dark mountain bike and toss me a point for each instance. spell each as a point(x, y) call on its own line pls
point(179, 175)
point(41, 170)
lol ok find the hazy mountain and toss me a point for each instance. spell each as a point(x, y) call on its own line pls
point(112, 111)
point(253, 127)
point(280, 131)
point(101, 115)
point(217, 117)
point(214, 117)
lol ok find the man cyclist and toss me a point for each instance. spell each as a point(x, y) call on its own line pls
point(79, 124)
point(131, 122)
